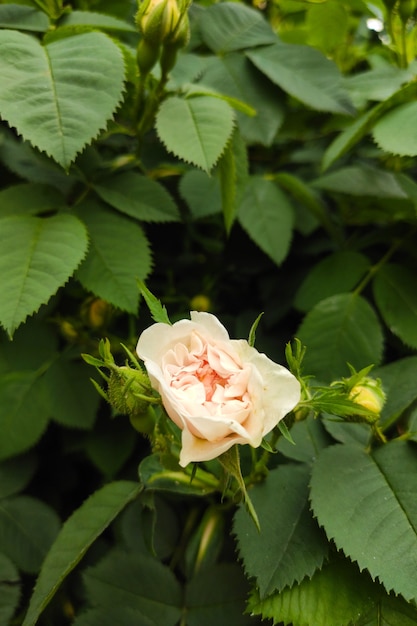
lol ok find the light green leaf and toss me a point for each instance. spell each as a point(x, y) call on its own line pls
point(23, 416)
point(142, 584)
point(335, 596)
point(363, 124)
point(233, 74)
point(290, 545)
point(138, 196)
point(27, 529)
point(201, 192)
point(327, 25)
point(362, 181)
point(23, 18)
point(74, 539)
point(229, 26)
point(96, 21)
point(267, 216)
point(337, 273)
point(29, 199)
point(396, 132)
point(339, 330)
point(157, 309)
point(206, 126)
point(37, 256)
point(118, 255)
point(70, 397)
point(395, 293)
point(15, 474)
point(9, 589)
point(367, 505)
point(217, 595)
point(59, 96)
point(304, 73)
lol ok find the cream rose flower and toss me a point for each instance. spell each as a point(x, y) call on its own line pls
point(219, 391)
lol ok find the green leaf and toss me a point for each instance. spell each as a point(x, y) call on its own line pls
point(70, 397)
point(228, 26)
point(335, 596)
point(396, 131)
point(309, 437)
point(138, 196)
point(206, 126)
point(290, 545)
point(233, 173)
point(339, 330)
point(327, 26)
point(367, 505)
point(15, 474)
point(337, 273)
point(37, 256)
point(96, 21)
point(304, 73)
point(363, 124)
point(389, 611)
point(267, 216)
point(9, 589)
point(234, 75)
point(59, 96)
point(157, 309)
point(74, 539)
point(201, 192)
point(27, 529)
point(395, 293)
point(362, 181)
point(143, 584)
point(29, 199)
point(23, 17)
point(23, 416)
point(154, 476)
point(110, 445)
point(120, 615)
point(119, 255)
point(217, 595)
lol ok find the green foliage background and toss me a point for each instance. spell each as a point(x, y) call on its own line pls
point(273, 170)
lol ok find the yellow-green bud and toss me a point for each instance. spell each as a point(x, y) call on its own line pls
point(406, 9)
point(157, 20)
point(370, 396)
point(200, 302)
point(96, 312)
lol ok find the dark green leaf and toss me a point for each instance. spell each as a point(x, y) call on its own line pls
point(268, 217)
point(15, 474)
point(201, 192)
point(110, 616)
point(362, 181)
point(29, 199)
point(339, 330)
point(23, 18)
point(142, 584)
point(367, 505)
point(309, 437)
point(76, 536)
point(337, 273)
point(395, 294)
point(395, 131)
point(96, 21)
point(290, 546)
point(138, 196)
point(27, 529)
point(398, 381)
point(9, 589)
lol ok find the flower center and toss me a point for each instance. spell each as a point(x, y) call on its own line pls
point(209, 378)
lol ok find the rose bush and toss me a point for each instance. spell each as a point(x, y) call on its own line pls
point(219, 391)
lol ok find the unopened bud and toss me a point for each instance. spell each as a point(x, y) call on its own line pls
point(406, 9)
point(200, 302)
point(157, 20)
point(96, 312)
point(127, 390)
point(369, 395)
